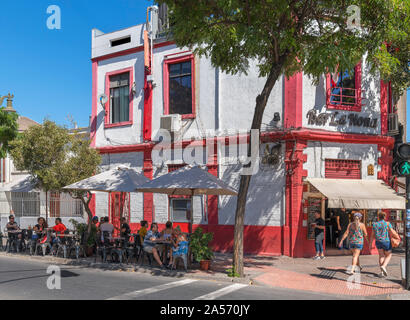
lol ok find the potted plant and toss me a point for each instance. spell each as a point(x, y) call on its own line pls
point(199, 243)
point(82, 228)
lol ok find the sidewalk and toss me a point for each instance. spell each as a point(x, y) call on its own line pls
point(322, 276)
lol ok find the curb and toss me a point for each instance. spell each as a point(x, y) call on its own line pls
point(131, 268)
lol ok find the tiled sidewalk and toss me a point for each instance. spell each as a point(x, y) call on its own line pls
point(324, 276)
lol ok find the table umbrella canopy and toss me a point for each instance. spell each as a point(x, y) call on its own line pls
point(121, 179)
point(24, 183)
point(190, 181)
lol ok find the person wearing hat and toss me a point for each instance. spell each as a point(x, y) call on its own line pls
point(95, 222)
point(356, 232)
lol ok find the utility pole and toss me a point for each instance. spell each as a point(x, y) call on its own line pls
point(403, 170)
point(407, 232)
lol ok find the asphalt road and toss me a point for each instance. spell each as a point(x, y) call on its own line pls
point(26, 279)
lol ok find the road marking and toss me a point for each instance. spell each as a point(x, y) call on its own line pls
point(139, 293)
point(221, 292)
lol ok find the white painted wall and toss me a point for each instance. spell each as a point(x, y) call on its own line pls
point(314, 97)
point(133, 160)
point(317, 152)
point(265, 205)
point(123, 135)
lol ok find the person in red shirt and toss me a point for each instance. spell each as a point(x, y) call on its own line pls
point(59, 228)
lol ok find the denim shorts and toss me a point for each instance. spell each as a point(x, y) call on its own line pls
point(356, 246)
point(385, 245)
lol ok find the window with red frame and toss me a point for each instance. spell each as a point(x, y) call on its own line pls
point(180, 205)
point(120, 98)
point(179, 86)
point(344, 90)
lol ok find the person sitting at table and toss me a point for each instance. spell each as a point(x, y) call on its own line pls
point(95, 222)
point(143, 230)
point(106, 226)
point(125, 229)
point(59, 229)
point(166, 235)
point(13, 226)
point(178, 244)
point(149, 244)
point(39, 228)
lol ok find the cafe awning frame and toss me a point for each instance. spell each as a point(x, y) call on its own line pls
point(358, 194)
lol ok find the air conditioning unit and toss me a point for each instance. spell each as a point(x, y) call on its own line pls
point(171, 122)
point(393, 124)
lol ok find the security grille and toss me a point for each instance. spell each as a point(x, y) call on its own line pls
point(343, 169)
point(29, 204)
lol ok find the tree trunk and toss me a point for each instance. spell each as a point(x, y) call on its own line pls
point(86, 204)
point(261, 102)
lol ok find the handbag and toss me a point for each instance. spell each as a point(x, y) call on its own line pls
point(394, 238)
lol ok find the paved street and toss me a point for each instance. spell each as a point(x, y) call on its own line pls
point(21, 278)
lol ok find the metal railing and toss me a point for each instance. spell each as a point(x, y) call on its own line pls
point(26, 207)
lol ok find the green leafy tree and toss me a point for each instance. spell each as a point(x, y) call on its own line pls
point(288, 36)
point(56, 158)
point(8, 130)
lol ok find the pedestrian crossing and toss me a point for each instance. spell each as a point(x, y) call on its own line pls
point(175, 284)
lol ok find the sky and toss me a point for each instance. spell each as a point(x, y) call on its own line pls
point(49, 71)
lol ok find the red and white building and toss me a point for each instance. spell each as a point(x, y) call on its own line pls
point(310, 130)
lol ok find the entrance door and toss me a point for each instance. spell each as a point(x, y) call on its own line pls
point(119, 208)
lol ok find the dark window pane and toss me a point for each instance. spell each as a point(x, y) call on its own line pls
point(186, 67)
point(180, 88)
point(119, 93)
point(174, 69)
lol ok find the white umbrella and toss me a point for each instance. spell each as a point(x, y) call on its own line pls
point(191, 181)
point(24, 183)
point(121, 179)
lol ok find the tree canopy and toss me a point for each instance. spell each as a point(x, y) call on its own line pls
point(287, 36)
point(8, 130)
point(304, 35)
point(56, 158)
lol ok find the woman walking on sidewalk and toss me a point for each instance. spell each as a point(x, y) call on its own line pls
point(356, 231)
point(383, 243)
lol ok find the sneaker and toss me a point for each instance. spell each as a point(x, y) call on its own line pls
point(316, 258)
point(384, 271)
point(322, 257)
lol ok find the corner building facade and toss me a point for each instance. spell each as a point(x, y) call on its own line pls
point(335, 130)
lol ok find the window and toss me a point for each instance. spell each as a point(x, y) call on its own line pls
point(343, 169)
point(119, 105)
point(179, 89)
point(119, 98)
point(344, 90)
point(119, 42)
point(180, 210)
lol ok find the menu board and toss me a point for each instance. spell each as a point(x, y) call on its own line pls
point(314, 204)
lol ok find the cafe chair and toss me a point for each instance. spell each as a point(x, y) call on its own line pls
point(44, 244)
point(77, 245)
point(131, 249)
point(104, 246)
point(12, 243)
point(62, 245)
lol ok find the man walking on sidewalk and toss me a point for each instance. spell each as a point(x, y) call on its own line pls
point(319, 226)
